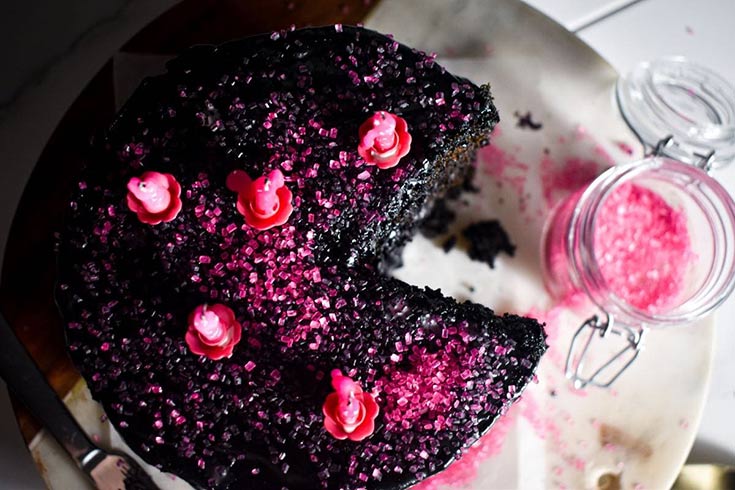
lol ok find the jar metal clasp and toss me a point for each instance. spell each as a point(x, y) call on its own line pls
point(590, 334)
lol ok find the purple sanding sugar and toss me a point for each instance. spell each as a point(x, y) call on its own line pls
point(307, 293)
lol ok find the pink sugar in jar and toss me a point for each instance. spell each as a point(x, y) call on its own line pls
point(650, 243)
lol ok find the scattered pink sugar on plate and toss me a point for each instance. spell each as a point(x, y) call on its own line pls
point(463, 472)
point(561, 179)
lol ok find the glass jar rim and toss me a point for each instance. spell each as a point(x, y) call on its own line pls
point(676, 97)
point(585, 269)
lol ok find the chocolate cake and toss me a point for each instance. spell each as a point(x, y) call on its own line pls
point(222, 268)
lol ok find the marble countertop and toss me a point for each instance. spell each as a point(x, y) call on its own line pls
point(71, 43)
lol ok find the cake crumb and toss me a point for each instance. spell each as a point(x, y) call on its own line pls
point(526, 121)
point(487, 239)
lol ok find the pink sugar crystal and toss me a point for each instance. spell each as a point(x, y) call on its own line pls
point(642, 247)
point(624, 147)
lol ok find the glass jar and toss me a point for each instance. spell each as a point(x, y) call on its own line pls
point(650, 243)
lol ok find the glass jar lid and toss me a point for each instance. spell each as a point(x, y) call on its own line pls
point(673, 97)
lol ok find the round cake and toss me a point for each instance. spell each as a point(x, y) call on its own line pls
point(223, 268)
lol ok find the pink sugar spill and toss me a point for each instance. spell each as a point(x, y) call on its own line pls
point(505, 169)
point(580, 392)
point(624, 147)
point(601, 152)
point(540, 419)
point(642, 246)
point(578, 463)
point(561, 180)
point(563, 176)
point(463, 472)
point(551, 319)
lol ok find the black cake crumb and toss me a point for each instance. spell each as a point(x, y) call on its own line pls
point(439, 219)
point(487, 239)
point(526, 121)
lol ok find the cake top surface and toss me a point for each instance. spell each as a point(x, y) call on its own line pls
point(296, 103)
point(305, 293)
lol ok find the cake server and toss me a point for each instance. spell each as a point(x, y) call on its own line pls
point(108, 470)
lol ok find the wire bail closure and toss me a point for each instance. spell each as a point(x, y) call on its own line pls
point(611, 369)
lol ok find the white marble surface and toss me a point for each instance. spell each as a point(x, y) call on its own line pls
point(75, 43)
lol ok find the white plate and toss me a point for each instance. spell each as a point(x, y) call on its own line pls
point(639, 432)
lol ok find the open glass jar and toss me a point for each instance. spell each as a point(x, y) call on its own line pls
point(650, 243)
